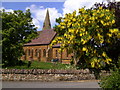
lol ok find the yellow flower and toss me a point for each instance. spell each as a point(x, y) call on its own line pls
point(74, 19)
point(100, 7)
point(104, 54)
point(80, 34)
point(84, 49)
point(99, 35)
point(92, 18)
point(85, 22)
point(94, 51)
point(62, 27)
point(82, 40)
point(101, 40)
point(94, 14)
point(102, 22)
point(107, 10)
point(98, 11)
point(107, 17)
point(65, 20)
point(108, 60)
point(92, 64)
point(65, 35)
point(110, 35)
point(71, 30)
point(102, 15)
point(62, 23)
point(68, 24)
point(113, 21)
point(59, 25)
point(114, 30)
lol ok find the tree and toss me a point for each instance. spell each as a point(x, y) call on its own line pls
point(84, 34)
point(17, 29)
point(113, 49)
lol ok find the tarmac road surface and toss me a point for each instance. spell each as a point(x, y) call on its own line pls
point(61, 84)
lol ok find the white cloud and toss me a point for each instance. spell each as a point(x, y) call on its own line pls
point(71, 5)
point(39, 13)
point(36, 23)
point(6, 10)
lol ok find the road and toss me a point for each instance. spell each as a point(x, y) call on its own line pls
point(37, 84)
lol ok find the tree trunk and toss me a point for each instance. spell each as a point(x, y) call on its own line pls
point(75, 58)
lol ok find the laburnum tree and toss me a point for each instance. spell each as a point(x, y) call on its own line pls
point(84, 33)
point(17, 29)
point(112, 49)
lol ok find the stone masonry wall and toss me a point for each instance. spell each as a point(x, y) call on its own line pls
point(48, 75)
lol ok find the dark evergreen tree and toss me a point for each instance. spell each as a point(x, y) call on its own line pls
point(17, 29)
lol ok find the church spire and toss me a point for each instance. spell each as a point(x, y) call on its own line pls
point(47, 24)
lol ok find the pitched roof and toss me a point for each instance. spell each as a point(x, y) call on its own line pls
point(57, 45)
point(45, 37)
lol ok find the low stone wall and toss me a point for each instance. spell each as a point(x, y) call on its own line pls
point(47, 75)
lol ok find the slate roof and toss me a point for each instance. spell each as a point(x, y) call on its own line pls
point(57, 45)
point(44, 38)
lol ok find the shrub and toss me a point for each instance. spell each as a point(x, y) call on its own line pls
point(111, 81)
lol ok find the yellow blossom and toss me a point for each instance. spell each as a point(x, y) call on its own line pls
point(92, 64)
point(113, 21)
point(74, 19)
point(108, 60)
point(84, 49)
point(104, 54)
point(100, 7)
point(80, 34)
point(102, 22)
point(62, 27)
point(110, 35)
point(59, 25)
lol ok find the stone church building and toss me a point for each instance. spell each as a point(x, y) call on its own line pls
point(38, 49)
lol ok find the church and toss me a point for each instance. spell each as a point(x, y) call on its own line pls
point(39, 49)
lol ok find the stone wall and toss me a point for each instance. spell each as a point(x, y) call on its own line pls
point(48, 75)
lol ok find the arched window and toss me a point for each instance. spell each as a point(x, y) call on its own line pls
point(36, 52)
point(56, 52)
point(28, 52)
point(32, 53)
point(39, 53)
point(25, 52)
point(44, 53)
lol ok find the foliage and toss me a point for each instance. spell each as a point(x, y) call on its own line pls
point(113, 49)
point(17, 29)
point(112, 81)
point(84, 33)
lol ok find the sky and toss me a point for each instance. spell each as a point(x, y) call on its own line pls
point(56, 8)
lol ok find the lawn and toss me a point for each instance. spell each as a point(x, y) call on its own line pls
point(41, 65)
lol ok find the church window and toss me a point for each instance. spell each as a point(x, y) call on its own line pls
point(36, 52)
point(28, 52)
point(56, 53)
point(32, 53)
point(44, 53)
point(39, 53)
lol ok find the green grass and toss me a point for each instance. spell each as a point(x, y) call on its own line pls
point(41, 65)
